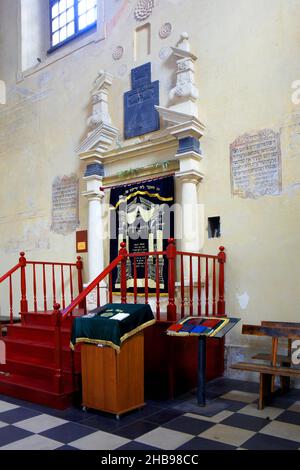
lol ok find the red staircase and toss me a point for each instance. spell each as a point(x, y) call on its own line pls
point(31, 364)
point(40, 365)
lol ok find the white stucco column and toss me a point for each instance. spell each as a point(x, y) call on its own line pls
point(95, 236)
point(190, 212)
point(95, 196)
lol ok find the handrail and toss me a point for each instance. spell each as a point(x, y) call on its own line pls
point(198, 255)
point(82, 296)
point(146, 253)
point(10, 272)
point(50, 263)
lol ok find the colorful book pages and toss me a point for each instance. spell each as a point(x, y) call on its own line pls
point(211, 323)
point(176, 327)
point(201, 329)
point(187, 327)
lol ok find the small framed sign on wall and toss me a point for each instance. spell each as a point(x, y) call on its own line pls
point(82, 241)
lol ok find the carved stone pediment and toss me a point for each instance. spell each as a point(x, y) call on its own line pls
point(185, 94)
point(102, 134)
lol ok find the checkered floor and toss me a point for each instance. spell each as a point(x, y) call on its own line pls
point(231, 420)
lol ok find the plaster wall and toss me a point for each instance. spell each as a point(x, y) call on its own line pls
point(248, 59)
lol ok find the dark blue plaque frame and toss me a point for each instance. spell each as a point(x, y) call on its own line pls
point(140, 115)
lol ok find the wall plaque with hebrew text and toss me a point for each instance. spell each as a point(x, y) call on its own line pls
point(65, 199)
point(256, 164)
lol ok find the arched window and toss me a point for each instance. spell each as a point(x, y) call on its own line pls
point(69, 19)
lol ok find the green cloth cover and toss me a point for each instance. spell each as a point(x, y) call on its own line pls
point(102, 330)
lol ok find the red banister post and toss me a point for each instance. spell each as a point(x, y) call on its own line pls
point(221, 261)
point(23, 303)
point(56, 320)
point(171, 256)
point(79, 266)
point(123, 252)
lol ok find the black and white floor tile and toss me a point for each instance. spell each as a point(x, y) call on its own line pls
point(230, 421)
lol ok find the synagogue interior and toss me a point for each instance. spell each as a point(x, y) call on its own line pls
point(149, 201)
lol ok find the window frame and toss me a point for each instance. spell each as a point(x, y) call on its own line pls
point(77, 33)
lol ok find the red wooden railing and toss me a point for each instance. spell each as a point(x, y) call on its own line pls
point(201, 285)
point(212, 285)
point(35, 277)
point(200, 289)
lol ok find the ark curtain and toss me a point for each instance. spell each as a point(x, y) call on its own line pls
point(142, 217)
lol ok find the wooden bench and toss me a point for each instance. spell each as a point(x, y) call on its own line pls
point(282, 359)
point(266, 374)
point(275, 330)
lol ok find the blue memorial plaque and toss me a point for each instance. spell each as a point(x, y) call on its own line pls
point(140, 115)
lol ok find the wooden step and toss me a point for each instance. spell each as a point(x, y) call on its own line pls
point(46, 318)
point(30, 369)
point(27, 351)
point(37, 333)
point(34, 390)
point(40, 371)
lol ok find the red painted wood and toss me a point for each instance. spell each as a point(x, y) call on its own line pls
point(62, 280)
point(41, 364)
point(200, 255)
point(123, 253)
point(199, 287)
point(98, 295)
point(135, 280)
point(214, 311)
point(57, 350)
point(10, 272)
point(110, 288)
point(206, 288)
point(71, 284)
point(182, 286)
point(82, 296)
point(157, 288)
point(146, 281)
point(53, 284)
point(221, 261)
point(191, 287)
point(23, 303)
point(38, 373)
point(34, 287)
point(79, 266)
point(171, 367)
point(11, 310)
point(45, 287)
point(171, 256)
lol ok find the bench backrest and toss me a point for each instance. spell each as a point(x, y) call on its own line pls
point(280, 324)
point(272, 331)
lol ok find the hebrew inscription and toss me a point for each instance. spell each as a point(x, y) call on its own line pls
point(65, 197)
point(256, 164)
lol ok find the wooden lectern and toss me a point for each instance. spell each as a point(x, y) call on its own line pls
point(114, 382)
